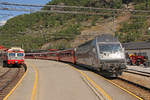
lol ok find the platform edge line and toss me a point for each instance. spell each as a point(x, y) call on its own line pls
point(35, 83)
point(124, 89)
point(94, 84)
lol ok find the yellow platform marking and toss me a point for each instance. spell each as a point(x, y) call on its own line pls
point(6, 97)
point(94, 84)
point(35, 83)
point(123, 89)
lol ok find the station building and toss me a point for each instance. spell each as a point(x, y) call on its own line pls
point(138, 48)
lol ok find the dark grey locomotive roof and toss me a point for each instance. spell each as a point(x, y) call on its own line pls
point(102, 38)
point(106, 38)
point(136, 45)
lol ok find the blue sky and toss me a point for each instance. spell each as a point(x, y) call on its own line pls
point(15, 13)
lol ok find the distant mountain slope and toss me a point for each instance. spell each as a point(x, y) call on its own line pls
point(52, 30)
point(89, 3)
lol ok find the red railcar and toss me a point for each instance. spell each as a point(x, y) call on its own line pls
point(13, 56)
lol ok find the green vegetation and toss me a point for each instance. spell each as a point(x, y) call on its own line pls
point(136, 29)
point(33, 31)
point(133, 30)
point(89, 3)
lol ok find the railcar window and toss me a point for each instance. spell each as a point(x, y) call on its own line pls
point(52, 54)
point(45, 55)
point(62, 54)
point(20, 54)
point(68, 54)
point(11, 54)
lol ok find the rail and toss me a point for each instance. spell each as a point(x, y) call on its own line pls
point(147, 74)
point(9, 79)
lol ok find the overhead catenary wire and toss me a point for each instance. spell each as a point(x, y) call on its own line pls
point(67, 12)
point(61, 6)
point(70, 12)
point(77, 7)
point(3, 14)
point(54, 11)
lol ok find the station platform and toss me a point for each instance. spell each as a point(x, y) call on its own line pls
point(51, 80)
point(24, 89)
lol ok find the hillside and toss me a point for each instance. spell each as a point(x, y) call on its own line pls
point(53, 30)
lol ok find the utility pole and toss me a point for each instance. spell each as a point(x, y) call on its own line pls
point(114, 25)
point(146, 4)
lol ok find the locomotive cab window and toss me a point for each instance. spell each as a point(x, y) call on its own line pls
point(109, 48)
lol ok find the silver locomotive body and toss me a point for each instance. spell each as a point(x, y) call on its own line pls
point(104, 54)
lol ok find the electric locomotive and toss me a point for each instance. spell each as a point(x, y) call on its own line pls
point(104, 54)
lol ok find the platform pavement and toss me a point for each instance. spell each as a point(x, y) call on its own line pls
point(24, 89)
point(58, 81)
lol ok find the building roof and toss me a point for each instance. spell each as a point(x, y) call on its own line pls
point(136, 45)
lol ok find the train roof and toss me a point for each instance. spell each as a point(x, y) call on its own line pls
point(102, 38)
point(136, 45)
point(15, 49)
point(106, 38)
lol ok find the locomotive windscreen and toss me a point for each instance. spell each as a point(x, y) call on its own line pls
point(109, 47)
point(111, 51)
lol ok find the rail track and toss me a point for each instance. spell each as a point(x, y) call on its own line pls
point(134, 86)
point(146, 74)
point(132, 83)
point(9, 79)
point(128, 84)
point(123, 83)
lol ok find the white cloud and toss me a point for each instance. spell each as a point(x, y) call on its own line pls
point(2, 22)
point(11, 17)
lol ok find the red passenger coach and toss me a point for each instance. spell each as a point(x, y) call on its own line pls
point(43, 55)
point(62, 55)
point(14, 56)
point(29, 56)
point(67, 56)
point(52, 56)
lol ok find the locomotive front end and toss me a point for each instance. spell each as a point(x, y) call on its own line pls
point(112, 58)
point(15, 56)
